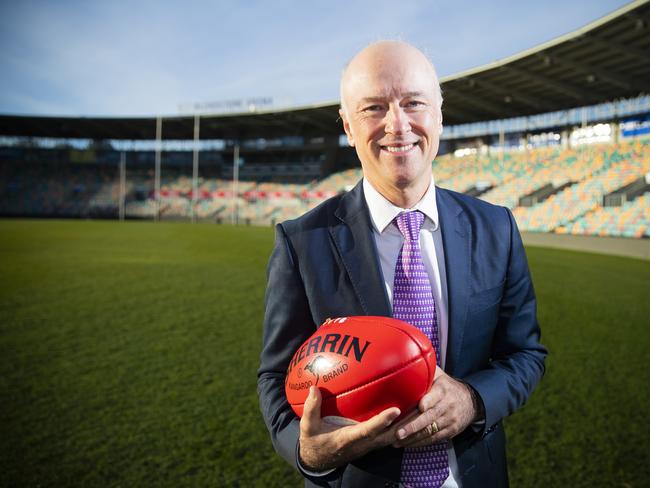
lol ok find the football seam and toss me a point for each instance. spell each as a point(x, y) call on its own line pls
point(378, 378)
point(392, 372)
point(422, 351)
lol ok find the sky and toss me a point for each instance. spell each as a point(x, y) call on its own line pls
point(143, 58)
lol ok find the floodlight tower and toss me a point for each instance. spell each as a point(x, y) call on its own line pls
point(157, 170)
point(235, 184)
point(195, 165)
point(122, 184)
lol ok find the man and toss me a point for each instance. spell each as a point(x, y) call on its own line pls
point(343, 259)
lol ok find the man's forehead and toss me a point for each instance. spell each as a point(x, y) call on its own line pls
point(385, 84)
point(396, 93)
point(388, 68)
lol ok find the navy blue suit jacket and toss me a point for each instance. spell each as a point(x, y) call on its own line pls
point(325, 264)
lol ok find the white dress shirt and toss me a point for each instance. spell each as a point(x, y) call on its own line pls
point(389, 242)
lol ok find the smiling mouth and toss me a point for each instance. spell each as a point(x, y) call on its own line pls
point(399, 149)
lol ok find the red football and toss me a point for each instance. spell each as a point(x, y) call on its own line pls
point(362, 365)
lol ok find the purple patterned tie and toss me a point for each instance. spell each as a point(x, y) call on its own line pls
point(413, 302)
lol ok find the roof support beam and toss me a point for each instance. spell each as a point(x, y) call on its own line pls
point(452, 110)
point(108, 130)
point(561, 86)
point(640, 21)
point(609, 76)
point(314, 120)
point(620, 49)
point(516, 95)
point(496, 110)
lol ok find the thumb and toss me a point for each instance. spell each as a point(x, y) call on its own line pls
point(377, 424)
point(311, 413)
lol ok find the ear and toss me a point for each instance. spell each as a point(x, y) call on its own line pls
point(346, 126)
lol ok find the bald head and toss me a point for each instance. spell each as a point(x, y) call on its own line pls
point(391, 114)
point(385, 58)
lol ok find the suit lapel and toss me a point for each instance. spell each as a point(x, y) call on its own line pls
point(351, 231)
point(456, 238)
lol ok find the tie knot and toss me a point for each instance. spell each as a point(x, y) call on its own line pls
point(409, 224)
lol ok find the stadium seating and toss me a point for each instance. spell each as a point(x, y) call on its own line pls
point(630, 220)
point(571, 185)
point(616, 167)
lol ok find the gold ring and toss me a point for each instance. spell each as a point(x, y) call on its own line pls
point(434, 427)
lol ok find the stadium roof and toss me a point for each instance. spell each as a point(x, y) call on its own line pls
point(606, 60)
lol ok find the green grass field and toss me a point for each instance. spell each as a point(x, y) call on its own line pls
point(129, 351)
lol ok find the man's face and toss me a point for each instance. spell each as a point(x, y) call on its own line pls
point(392, 116)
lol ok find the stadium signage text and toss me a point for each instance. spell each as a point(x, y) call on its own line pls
point(234, 105)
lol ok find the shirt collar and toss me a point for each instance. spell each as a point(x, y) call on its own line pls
point(383, 212)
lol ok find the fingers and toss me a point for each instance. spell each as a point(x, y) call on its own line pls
point(448, 403)
point(435, 393)
point(431, 407)
point(373, 428)
point(311, 423)
point(416, 425)
point(310, 420)
point(431, 399)
point(383, 420)
point(324, 445)
point(428, 435)
point(426, 441)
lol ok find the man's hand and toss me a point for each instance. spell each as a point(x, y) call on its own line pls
point(449, 404)
point(324, 446)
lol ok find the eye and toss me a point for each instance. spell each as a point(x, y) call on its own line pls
point(414, 104)
point(372, 108)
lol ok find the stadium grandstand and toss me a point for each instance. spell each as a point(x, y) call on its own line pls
point(559, 133)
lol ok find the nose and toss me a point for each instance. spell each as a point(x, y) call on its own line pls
point(397, 121)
